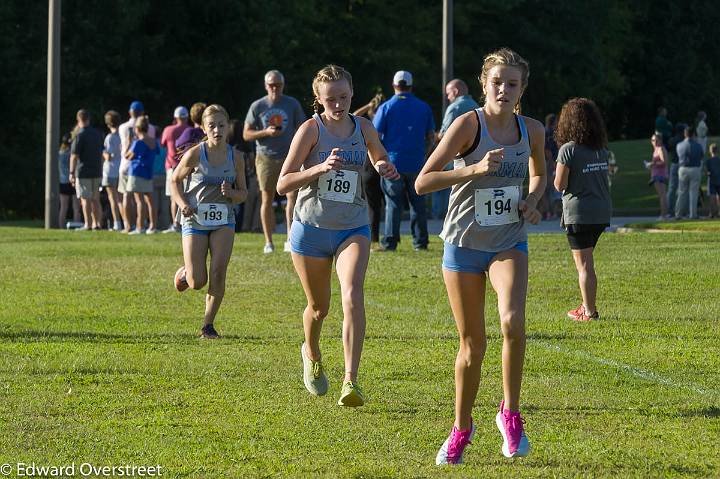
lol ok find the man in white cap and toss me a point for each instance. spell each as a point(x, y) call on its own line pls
point(407, 131)
point(169, 135)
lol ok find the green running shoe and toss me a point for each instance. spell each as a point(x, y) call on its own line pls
point(313, 375)
point(351, 396)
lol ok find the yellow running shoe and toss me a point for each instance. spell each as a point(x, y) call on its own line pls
point(351, 396)
point(313, 375)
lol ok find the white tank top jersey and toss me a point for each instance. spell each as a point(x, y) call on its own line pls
point(336, 200)
point(203, 190)
point(483, 212)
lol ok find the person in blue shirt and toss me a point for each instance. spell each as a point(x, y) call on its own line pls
point(407, 131)
point(712, 167)
point(142, 155)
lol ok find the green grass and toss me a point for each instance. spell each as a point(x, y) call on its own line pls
point(99, 363)
point(631, 193)
point(684, 225)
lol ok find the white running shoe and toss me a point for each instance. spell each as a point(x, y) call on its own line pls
point(269, 248)
point(150, 231)
point(136, 232)
point(286, 247)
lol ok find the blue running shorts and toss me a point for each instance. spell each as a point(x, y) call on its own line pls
point(308, 240)
point(468, 260)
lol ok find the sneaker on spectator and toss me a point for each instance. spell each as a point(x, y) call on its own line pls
point(269, 248)
point(150, 231)
point(171, 229)
point(286, 247)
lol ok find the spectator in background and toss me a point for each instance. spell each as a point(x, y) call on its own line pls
point(674, 166)
point(127, 134)
point(371, 178)
point(582, 177)
point(141, 157)
point(248, 212)
point(690, 156)
point(193, 135)
point(271, 123)
point(169, 135)
point(658, 172)
point(460, 102)
point(712, 166)
point(550, 196)
point(407, 131)
point(663, 125)
point(86, 170)
point(159, 182)
point(67, 191)
point(111, 166)
point(701, 130)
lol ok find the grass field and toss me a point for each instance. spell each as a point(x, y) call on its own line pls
point(631, 193)
point(685, 225)
point(100, 363)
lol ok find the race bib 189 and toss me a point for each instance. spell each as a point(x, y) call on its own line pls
point(338, 185)
point(497, 206)
point(212, 214)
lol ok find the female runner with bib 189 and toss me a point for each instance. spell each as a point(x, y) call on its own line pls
point(494, 150)
point(331, 221)
point(216, 182)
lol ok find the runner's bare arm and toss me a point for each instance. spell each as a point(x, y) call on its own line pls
point(187, 164)
point(291, 178)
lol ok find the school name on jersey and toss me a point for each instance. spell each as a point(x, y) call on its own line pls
point(511, 169)
point(217, 180)
point(352, 157)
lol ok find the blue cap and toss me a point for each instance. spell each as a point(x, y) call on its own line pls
point(136, 106)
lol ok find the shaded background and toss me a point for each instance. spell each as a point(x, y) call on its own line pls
point(630, 57)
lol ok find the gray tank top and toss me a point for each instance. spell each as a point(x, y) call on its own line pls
point(336, 200)
point(483, 212)
point(203, 192)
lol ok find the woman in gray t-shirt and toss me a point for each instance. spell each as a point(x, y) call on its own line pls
point(582, 176)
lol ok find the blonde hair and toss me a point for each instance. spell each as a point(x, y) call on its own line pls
point(713, 148)
point(214, 109)
point(326, 75)
point(142, 123)
point(506, 56)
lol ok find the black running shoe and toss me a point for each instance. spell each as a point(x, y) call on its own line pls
point(208, 332)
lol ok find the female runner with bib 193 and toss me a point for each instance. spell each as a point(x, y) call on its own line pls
point(494, 149)
point(331, 221)
point(216, 182)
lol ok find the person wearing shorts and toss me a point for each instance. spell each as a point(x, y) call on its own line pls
point(658, 172)
point(142, 155)
point(331, 222)
point(271, 122)
point(169, 135)
point(67, 192)
point(484, 235)
point(216, 181)
point(86, 170)
point(581, 175)
point(111, 166)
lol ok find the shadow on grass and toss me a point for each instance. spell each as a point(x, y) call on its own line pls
point(708, 412)
point(73, 336)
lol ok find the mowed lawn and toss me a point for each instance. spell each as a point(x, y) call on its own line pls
point(100, 362)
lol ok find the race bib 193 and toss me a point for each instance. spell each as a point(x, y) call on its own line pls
point(212, 214)
point(338, 185)
point(497, 206)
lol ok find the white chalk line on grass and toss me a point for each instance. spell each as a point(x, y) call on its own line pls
point(633, 371)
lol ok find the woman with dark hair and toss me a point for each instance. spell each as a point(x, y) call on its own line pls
point(582, 176)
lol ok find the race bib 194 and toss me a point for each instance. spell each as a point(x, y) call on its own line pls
point(212, 214)
point(338, 185)
point(497, 206)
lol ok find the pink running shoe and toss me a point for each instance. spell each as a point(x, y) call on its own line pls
point(510, 424)
point(181, 283)
point(580, 314)
point(452, 449)
point(574, 313)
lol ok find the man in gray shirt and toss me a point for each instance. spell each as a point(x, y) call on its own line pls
point(271, 122)
point(690, 155)
point(460, 103)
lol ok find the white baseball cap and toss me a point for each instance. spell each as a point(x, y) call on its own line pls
point(402, 75)
point(180, 112)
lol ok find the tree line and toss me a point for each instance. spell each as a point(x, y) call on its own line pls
point(630, 57)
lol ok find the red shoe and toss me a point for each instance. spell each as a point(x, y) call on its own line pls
point(580, 314)
point(181, 283)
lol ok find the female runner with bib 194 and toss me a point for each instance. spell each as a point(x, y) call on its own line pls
point(494, 150)
point(216, 182)
point(331, 221)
